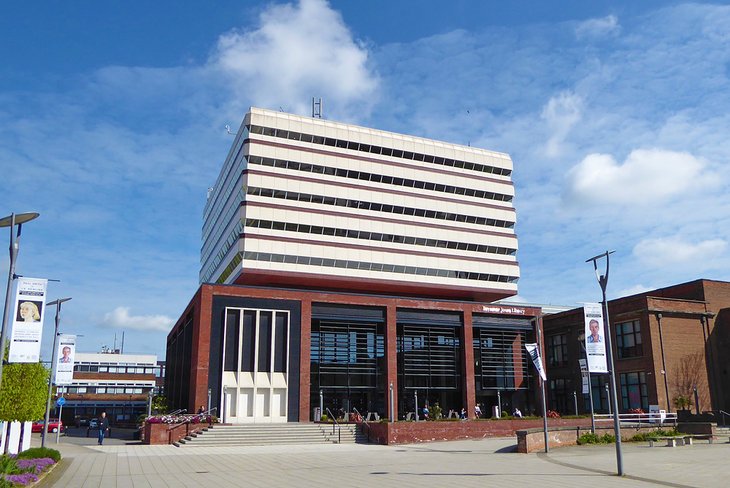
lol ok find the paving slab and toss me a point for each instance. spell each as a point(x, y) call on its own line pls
point(469, 463)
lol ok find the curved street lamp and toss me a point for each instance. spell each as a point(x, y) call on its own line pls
point(11, 221)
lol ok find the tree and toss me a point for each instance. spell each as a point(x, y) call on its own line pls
point(24, 392)
point(159, 404)
point(687, 375)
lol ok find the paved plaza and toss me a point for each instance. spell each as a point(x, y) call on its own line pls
point(477, 463)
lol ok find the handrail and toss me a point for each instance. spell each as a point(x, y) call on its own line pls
point(189, 420)
point(653, 417)
point(362, 422)
point(179, 410)
point(723, 412)
point(336, 423)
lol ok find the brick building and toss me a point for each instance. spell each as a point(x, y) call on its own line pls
point(666, 343)
point(345, 260)
point(118, 384)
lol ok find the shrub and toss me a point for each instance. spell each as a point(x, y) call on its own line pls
point(591, 438)
point(8, 465)
point(5, 483)
point(40, 452)
point(324, 418)
point(647, 436)
point(588, 438)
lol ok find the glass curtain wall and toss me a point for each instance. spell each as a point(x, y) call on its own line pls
point(429, 369)
point(347, 367)
point(501, 369)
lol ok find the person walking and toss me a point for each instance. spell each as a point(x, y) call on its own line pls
point(103, 427)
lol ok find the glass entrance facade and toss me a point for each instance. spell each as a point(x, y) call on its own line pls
point(347, 367)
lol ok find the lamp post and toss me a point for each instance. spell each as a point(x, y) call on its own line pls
point(11, 221)
point(603, 282)
point(57, 303)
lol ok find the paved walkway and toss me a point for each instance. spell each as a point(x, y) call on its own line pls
point(471, 463)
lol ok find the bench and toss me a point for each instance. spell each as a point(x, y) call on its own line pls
point(688, 439)
point(671, 441)
point(682, 440)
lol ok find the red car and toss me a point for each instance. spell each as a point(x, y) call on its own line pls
point(54, 425)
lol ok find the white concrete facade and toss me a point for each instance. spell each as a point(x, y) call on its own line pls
point(303, 196)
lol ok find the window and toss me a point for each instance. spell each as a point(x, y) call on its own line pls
point(628, 340)
point(633, 391)
point(557, 350)
point(560, 396)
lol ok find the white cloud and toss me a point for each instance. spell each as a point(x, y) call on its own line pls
point(561, 113)
point(297, 52)
point(646, 176)
point(675, 252)
point(597, 28)
point(632, 290)
point(119, 318)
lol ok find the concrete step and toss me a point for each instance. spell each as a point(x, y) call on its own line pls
point(269, 434)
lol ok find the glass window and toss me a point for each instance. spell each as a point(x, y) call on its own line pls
point(264, 350)
point(633, 391)
point(232, 331)
point(628, 340)
point(249, 340)
point(280, 342)
point(557, 350)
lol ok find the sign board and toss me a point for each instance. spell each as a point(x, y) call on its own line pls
point(65, 359)
point(25, 338)
point(583, 365)
point(595, 339)
point(586, 383)
point(61, 402)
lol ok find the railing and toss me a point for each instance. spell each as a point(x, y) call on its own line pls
point(188, 421)
point(723, 413)
point(362, 422)
point(639, 418)
point(178, 411)
point(335, 424)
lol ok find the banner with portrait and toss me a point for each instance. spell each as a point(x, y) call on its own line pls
point(25, 337)
point(595, 341)
point(65, 359)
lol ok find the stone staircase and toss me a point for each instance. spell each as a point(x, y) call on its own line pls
point(722, 431)
point(272, 434)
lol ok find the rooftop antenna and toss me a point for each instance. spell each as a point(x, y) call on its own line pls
point(228, 129)
point(317, 108)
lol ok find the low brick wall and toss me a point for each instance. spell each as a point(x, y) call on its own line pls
point(167, 434)
point(412, 432)
point(533, 440)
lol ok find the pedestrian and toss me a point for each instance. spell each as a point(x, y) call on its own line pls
point(516, 413)
point(462, 415)
point(477, 411)
point(103, 427)
point(201, 409)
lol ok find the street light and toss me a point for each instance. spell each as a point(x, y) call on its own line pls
point(603, 282)
point(57, 303)
point(11, 221)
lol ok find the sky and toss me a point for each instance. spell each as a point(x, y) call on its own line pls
point(113, 114)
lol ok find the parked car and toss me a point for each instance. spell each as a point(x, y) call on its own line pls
point(94, 423)
point(54, 425)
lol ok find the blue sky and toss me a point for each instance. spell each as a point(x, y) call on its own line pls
point(112, 117)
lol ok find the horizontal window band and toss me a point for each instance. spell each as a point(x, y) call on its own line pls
point(367, 266)
point(378, 178)
point(377, 207)
point(373, 149)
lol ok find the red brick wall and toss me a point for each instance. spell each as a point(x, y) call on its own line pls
point(412, 432)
